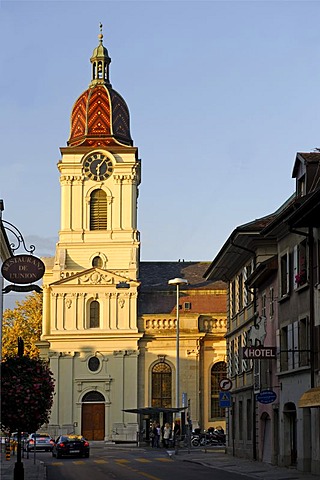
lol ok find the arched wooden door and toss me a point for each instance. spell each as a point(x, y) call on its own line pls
point(93, 416)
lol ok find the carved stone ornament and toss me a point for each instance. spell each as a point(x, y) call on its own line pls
point(96, 277)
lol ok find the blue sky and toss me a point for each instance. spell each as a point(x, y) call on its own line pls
point(222, 94)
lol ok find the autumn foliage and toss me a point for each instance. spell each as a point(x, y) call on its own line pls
point(24, 321)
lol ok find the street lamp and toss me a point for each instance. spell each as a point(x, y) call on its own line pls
point(177, 282)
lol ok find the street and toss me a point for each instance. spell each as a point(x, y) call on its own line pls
point(130, 464)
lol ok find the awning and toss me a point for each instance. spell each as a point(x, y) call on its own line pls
point(310, 398)
point(154, 410)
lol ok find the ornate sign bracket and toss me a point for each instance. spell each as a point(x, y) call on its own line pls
point(18, 235)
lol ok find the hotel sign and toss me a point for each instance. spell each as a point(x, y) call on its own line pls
point(23, 269)
point(259, 352)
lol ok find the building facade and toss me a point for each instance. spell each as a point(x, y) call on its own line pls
point(109, 320)
point(272, 268)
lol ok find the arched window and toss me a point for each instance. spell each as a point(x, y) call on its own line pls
point(98, 210)
point(93, 396)
point(94, 320)
point(161, 385)
point(218, 372)
point(97, 262)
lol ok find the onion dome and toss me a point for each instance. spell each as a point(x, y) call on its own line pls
point(100, 117)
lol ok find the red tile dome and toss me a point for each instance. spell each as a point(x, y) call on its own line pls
point(100, 116)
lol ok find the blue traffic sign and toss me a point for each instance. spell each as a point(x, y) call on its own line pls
point(224, 399)
point(266, 396)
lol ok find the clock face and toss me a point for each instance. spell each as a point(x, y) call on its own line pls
point(98, 167)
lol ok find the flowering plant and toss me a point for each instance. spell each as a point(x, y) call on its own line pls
point(300, 278)
point(27, 388)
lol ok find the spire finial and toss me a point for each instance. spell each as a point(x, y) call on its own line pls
point(100, 36)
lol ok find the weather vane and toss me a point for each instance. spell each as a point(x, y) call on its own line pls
point(100, 36)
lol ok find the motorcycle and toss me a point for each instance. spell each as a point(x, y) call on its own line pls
point(217, 435)
point(214, 436)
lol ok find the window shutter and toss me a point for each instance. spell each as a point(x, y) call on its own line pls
point(98, 210)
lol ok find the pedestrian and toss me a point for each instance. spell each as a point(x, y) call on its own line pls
point(166, 435)
point(158, 435)
point(176, 431)
point(154, 435)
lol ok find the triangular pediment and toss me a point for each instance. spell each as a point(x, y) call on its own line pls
point(97, 276)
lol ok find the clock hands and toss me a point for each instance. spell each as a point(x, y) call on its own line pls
point(98, 167)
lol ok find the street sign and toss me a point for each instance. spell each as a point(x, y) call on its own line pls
point(259, 352)
point(266, 396)
point(225, 384)
point(224, 399)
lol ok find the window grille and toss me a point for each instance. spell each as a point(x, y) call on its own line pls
point(161, 385)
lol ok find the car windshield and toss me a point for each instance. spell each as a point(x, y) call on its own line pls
point(72, 438)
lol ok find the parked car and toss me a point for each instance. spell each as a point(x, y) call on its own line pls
point(39, 441)
point(66, 445)
point(24, 436)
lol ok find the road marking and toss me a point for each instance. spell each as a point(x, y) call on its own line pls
point(142, 474)
point(122, 460)
point(164, 459)
point(143, 460)
point(79, 462)
point(100, 461)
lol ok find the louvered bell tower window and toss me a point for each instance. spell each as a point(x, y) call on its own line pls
point(98, 210)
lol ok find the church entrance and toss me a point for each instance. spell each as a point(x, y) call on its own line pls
point(93, 416)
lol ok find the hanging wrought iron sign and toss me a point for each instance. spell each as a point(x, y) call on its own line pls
point(23, 269)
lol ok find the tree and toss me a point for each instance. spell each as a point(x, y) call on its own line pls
point(24, 321)
point(27, 388)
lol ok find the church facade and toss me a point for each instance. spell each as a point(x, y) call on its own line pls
point(109, 320)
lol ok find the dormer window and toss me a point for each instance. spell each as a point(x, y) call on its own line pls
point(301, 186)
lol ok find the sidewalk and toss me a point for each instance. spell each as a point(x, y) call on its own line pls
point(32, 471)
point(214, 458)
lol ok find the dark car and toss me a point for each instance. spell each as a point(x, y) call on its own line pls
point(66, 445)
point(39, 441)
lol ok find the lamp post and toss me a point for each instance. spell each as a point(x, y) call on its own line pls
point(178, 282)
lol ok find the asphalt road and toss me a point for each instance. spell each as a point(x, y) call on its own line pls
point(130, 465)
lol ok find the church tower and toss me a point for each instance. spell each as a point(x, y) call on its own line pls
point(90, 331)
